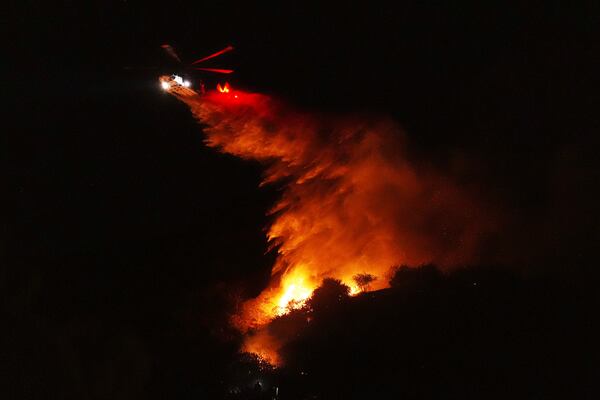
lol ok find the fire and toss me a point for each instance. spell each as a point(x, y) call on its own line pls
point(294, 291)
point(224, 88)
point(294, 294)
point(352, 203)
point(354, 289)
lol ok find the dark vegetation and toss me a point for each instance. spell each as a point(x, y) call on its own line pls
point(474, 333)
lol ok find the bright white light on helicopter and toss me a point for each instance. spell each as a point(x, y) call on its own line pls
point(165, 85)
point(187, 83)
point(178, 79)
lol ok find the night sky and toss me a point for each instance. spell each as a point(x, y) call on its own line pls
point(127, 241)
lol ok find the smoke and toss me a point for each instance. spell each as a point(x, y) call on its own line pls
point(351, 203)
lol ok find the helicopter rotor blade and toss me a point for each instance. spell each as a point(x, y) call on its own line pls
point(171, 51)
point(218, 53)
point(217, 70)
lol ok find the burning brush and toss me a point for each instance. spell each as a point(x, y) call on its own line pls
point(352, 205)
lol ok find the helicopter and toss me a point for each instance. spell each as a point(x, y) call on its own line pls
point(183, 80)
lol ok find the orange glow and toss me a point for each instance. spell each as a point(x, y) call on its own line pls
point(294, 292)
point(351, 203)
point(264, 345)
point(354, 289)
point(223, 89)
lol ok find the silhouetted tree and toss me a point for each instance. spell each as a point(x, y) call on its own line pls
point(328, 296)
point(364, 281)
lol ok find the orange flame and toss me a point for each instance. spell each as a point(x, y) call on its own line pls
point(223, 89)
point(352, 203)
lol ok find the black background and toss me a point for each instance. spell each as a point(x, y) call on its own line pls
point(125, 238)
